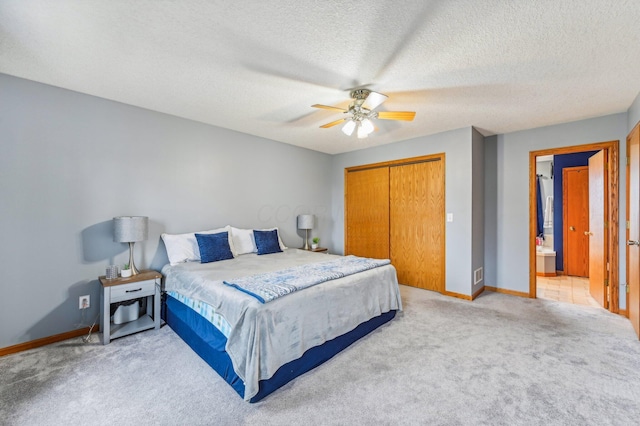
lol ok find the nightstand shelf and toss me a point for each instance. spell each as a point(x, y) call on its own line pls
point(146, 284)
point(145, 322)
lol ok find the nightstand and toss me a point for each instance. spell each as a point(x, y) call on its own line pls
point(145, 284)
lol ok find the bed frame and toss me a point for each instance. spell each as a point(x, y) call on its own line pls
point(209, 343)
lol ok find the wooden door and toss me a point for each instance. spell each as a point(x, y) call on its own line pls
point(633, 235)
point(575, 194)
point(417, 218)
point(367, 212)
point(597, 233)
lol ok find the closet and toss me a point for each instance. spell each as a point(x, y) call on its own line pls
point(396, 210)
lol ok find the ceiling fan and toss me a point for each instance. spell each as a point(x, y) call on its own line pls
point(362, 110)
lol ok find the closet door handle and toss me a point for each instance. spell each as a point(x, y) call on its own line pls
point(588, 233)
point(633, 243)
point(572, 228)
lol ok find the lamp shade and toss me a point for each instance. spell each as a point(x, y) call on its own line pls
point(305, 221)
point(127, 229)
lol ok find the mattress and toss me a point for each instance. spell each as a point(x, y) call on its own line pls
point(261, 338)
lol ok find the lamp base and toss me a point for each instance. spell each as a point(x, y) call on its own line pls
point(132, 265)
point(306, 240)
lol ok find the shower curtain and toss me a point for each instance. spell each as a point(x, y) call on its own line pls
point(540, 221)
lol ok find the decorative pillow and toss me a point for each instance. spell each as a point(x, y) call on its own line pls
point(184, 247)
point(214, 247)
point(267, 241)
point(243, 241)
point(282, 246)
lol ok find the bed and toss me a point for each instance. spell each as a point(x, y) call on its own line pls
point(259, 346)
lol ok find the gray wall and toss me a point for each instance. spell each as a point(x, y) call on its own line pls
point(477, 206)
point(512, 191)
point(71, 162)
point(456, 145)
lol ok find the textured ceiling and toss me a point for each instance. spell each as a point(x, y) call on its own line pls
point(258, 66)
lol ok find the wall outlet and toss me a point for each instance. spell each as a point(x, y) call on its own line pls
point(84, 302)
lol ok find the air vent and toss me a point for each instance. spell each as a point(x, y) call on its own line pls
point(477, 276)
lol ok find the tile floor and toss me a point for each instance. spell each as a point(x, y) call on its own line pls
point(565, 289)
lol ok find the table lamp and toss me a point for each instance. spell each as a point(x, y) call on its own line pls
point(305, 221)
point(129, 229)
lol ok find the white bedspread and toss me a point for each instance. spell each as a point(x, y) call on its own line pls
point(264, 337)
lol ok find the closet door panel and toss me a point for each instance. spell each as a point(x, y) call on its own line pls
point(367, 213)
point(417, 210)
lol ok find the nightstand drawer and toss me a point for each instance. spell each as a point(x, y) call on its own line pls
point(132, 291)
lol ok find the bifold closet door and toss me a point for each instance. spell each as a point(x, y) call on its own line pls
point(417, 211)
point(367, 212)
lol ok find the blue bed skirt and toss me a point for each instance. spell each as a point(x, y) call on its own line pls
point(208, 342)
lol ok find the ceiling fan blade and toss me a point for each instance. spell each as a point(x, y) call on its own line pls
point(328, 107)
point(396, 115)
point(333, 123)
point(374, 100)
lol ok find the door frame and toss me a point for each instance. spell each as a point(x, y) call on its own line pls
point(612, 155)
point(627, 218)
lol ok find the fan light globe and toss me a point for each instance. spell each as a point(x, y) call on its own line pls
point(362, 133)
point(367, 125)
point(349, 127)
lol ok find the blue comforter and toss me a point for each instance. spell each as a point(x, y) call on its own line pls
point(272, 285)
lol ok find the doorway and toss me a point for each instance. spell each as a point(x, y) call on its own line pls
point(611, 154)
point(562, 267)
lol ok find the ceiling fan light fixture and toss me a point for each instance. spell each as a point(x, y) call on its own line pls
point(361, 113)
point(367, 125)
point(362, 132)
point(348, 128)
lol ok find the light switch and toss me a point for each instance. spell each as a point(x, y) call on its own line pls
point(449, 217)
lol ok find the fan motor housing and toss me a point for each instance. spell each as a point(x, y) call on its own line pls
point(360, 94)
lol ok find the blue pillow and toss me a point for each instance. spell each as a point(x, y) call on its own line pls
point(214, 247)
point(267, 241)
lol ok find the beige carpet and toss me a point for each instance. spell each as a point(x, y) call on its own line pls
point(500, 360)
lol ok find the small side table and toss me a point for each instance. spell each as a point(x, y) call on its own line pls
point(145, 284)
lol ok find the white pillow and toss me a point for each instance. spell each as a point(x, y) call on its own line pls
point(282, 246)
point(243, 240)
point(184, 247)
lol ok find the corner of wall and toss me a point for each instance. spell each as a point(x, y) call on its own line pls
point(477, 209)
point(490, 209)
point(633, 113)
